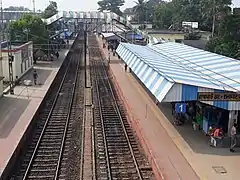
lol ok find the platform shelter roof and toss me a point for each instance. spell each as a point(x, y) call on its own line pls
point(159, 67)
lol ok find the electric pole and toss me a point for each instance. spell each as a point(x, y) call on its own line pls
point(85, 51)
point(33, 1)
point(214, 17)
point(2, 21)
point(10, 62)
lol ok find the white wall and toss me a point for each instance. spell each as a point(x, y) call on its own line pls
point(20, 67)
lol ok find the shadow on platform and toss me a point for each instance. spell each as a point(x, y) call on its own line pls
point(48, 64)
point(11, 110)
point(198, 142)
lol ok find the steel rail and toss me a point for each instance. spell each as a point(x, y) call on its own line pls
point(103, 129)
point(118, 113)
point(45, 124)
point(67, 122)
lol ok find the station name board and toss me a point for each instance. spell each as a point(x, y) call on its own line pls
point(205, 96)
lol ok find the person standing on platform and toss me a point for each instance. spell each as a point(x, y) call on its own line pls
point(125, 67)
point(233, 137)
point(57, 54)
point(114, 51)
point(35, 76)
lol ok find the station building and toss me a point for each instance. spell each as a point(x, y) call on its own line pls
point(23, 60)
point(177, 73)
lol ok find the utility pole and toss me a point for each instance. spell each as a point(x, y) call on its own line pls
point(10, 62)
point(2, 21)
point(85, 51)
point(214, 17)
point(33, 5)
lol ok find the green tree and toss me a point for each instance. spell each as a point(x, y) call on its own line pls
point(50, 10)
point(164, 15)
point(140, 9)
point(151, 7)
point(213, 11)
point(201, 11)
point(28, 28)
point(111, 5)
point(16, 8)
point(227, 42)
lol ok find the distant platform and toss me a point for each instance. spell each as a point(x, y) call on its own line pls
point(17, 111)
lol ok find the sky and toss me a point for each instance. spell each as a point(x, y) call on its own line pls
point(71, 5)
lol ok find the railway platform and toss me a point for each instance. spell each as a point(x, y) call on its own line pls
point(17, 111)
point(175, 153)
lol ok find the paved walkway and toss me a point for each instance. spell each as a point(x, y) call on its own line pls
point(179, 152)
point(16, 111)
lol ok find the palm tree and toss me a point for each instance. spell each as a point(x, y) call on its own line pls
point(140, 10)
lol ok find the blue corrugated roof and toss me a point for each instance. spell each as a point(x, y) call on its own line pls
point(156, 83)
point(186, 65)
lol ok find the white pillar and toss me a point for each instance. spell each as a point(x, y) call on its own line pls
point(232, 118)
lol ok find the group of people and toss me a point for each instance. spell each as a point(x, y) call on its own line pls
point(56, 54)
point(217, 133)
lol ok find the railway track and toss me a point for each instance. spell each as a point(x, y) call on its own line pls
point(46, 155)
point(118, 154)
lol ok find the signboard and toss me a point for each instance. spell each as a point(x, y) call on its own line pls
point(191, 24)
point(204, 96)
point(180, 107)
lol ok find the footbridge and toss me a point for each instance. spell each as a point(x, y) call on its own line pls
point(98, 22)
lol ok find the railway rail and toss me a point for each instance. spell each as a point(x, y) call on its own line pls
point(118, 154)
point(45, 156)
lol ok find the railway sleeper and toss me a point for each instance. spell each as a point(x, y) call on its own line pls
point(117, 141)
point(122, 167)
point(44, 144)
point(49, 140)
point(145, 168)
point(114, 146)
point(112, 121)
point(50, 133)
point(118, 159)
point(115, 134)
point(42, 152)
point(47, 165)
point(102, 158)
point(119, 151)
point(128, 178)
point(54, 129)
point(56, 123)
point(41, 177)
point(52, 136)
point(127, 173)
point(47, 171)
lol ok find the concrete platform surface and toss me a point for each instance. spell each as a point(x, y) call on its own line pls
point(17, 111)
point(178, 152)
